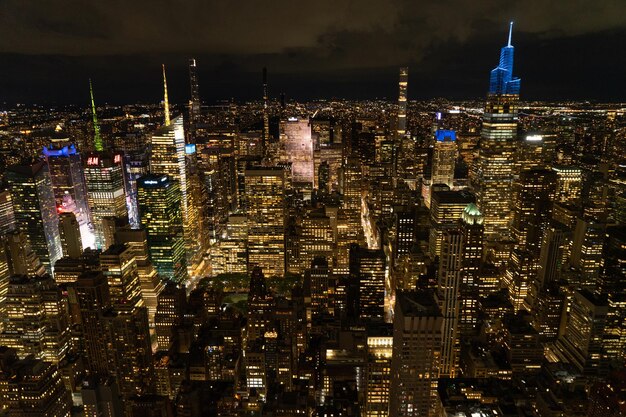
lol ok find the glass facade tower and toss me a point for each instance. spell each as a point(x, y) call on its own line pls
point(497, 149)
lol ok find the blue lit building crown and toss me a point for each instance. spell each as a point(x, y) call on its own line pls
point(502, 80)
point(443, 135)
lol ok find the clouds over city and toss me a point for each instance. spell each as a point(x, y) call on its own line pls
point(349, 45)
point(342, 32)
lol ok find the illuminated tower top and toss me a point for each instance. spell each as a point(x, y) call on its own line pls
point(194, 104)
point(265, 93)
point(402, 96)
point(502, 80)
point(97, 139)
point(166, 103)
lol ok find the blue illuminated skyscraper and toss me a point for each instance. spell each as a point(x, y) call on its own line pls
point(494, 173)
point(502, 80)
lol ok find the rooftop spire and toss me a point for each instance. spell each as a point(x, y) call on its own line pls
point(97, 139)
point(501, 80)
point(166, 103)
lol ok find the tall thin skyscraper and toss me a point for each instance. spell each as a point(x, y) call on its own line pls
point(161, 217)
point(266, 116)
point(7, 215)
point(194, 102)
point(168, 157)
point(35, 209)
point(471, 226)
point(450, 268)
point(497, 148)
point(402, 97)
point(349, 229)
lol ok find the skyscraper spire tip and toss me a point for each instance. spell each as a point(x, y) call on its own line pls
point(97, 139)
point(510, 32)
point(166, 103)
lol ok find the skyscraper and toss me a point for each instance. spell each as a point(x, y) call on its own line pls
point(295, 138)
point(194, 102)
point(260, 303)
point(417, 338)
point(450, 268)
point(21, 258)
point(534, 192)
point(444, 157)
point(316, 238)
point(519, 277)
point(471, 226)
point(105, 190)
point(586, 251)
point(497, 147)
point(7, 216)
point(89, 298)
point(97, 139)
point(120, 269)
point(68, 182)
point(568, 183)
point(125, 326)
point(318, 277)
point(367, 274)
point(35, 209)
point(445, 211)
point(582, 341)
point(69, 231)
point(266, 116)
point(160, 212)
point(349, 229)
point(378, 371)
point(151, 285)
point(265, 188)
point(402, 97)
point(36, 322)
point(168, 157)
point(32, 387)
point(170, 311)
point(501, 80)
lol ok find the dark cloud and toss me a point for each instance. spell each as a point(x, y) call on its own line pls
point(321, 46)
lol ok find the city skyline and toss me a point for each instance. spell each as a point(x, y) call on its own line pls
point(333, 62)
point(285, 257)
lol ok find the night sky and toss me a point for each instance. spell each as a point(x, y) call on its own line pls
point(566, 49)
